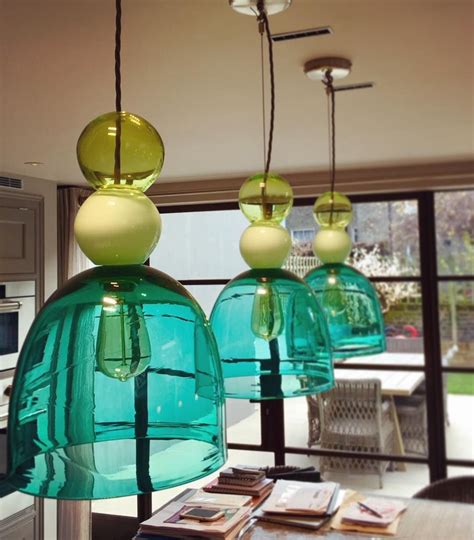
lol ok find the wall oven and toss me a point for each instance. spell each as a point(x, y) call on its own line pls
point(17, 311)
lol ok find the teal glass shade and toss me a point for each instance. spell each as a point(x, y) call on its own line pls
point(118, 390)
point(352, 308)
point(272, 337)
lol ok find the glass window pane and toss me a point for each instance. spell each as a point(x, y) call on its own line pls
point(460, 471)
point(200, 245)
point(396, 483)
point(243, 421)
point(206, 295)
point(246, 457)
point(121, 506)
point(353, 417)
point(384, 235)
point(458, 425)
point(456, 314)
point(402, 312)
point(455, 232)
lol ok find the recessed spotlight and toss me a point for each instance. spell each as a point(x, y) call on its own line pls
point(33, 163)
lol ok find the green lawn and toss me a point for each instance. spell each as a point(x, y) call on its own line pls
point(461, 383)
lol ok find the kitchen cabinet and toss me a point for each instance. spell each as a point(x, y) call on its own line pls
point(20, 526)
point(21, 228)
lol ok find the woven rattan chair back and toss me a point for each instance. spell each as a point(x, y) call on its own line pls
point(353, 418)
point(457, 489)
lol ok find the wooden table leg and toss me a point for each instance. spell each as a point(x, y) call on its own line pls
point(399, 446)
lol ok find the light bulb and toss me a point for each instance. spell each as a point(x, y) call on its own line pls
point(267, 313)
point(334, 298)
point(123, 344)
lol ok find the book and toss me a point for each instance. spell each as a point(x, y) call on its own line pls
point(304, 522)
point(263, 487)
point(365, 512)
point(169, 522)
point(240, 477)
point(204, 498)
point(304, 498)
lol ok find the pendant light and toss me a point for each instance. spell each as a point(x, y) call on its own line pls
point(118, 389)
point(348, 298)
point(272, 336)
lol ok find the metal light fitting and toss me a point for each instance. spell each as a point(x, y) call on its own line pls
point(249, 7)
point(317, 68)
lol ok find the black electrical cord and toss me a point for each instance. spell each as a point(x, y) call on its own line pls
point(328, 83)
point(118, 89)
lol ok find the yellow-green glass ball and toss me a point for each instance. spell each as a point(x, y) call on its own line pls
point(117, 227)
point(341, 210)
point(268, 198)
point(139, 162)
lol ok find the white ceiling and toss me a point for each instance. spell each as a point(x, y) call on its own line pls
point(191, 67)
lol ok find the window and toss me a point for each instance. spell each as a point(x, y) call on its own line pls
point(302, 236)
point(424, 292)
point(455, 263)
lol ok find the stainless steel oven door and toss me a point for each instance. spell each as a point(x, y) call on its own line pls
point(16, 316)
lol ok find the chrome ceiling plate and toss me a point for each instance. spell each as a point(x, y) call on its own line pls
point(249, 7)
point(317, 68)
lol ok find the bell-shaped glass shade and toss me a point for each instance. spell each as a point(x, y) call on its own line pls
point(118, 390)
point(272, 337)
point(352, 308)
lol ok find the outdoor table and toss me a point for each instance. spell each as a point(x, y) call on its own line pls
point(393, 383)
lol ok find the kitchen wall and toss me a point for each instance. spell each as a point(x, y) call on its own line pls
point(48, 190)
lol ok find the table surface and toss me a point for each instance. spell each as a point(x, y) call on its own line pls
point(423, 520)
point(394, 383)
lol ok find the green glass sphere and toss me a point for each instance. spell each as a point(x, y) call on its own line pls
point(139, 161)
point(267, 199)
point(333, 210)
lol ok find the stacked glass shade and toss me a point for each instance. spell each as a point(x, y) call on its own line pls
point(352, 309)
point(348, 298)
point(272, 336)
point(118, 389)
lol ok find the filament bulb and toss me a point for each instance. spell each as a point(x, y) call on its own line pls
point(267, 313)
point(123, 344)
point(334, 298)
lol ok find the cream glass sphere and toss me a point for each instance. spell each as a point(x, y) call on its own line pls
point(332, 245)
point(117, 227)
point(265, 245)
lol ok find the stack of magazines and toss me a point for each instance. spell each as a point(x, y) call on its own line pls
point(301, 504)
point(198, 514)
point(241, 480)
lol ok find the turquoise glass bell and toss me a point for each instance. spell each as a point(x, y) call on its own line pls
point(118, 390)
point(352, 310)
point(272, 337)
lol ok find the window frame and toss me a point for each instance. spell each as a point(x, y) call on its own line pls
point(272, 412)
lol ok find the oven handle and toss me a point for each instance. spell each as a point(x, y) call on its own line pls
point(6, 306)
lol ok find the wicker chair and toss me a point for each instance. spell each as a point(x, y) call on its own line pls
point(354, 418)
point(411, 412)
point(458, 489)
